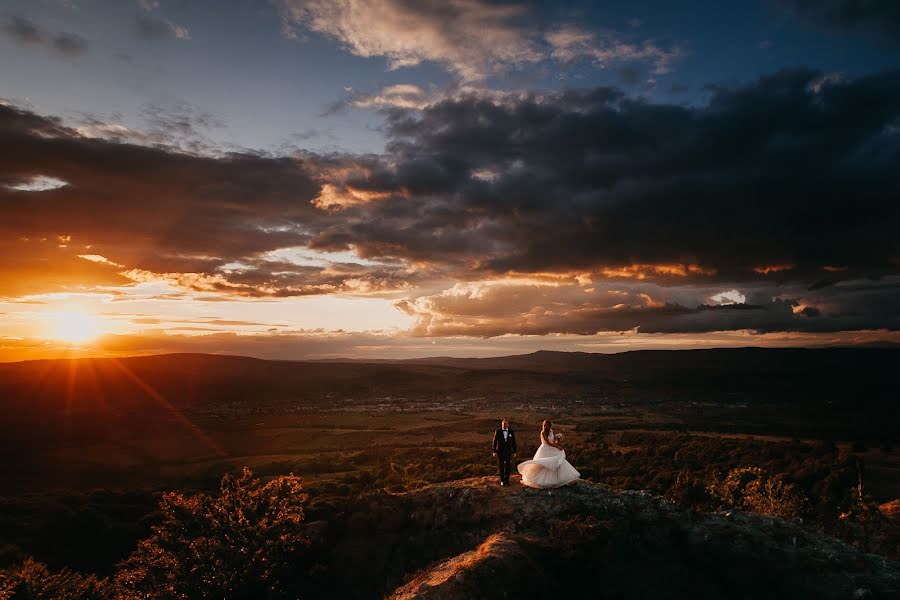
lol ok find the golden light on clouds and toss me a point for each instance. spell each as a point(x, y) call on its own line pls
point(642, 271)
point(766, 269)
point(96, 258)
point(338, 198)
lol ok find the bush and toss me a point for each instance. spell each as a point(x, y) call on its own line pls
point(32, 580)
point(751, 488)
point(247, 542)
point(688, 491)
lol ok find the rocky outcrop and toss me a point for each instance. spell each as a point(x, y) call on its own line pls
point(474, 539)
point(484, 572)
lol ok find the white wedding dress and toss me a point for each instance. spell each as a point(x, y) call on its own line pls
point(549, 467)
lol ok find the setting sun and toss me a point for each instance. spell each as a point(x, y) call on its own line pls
point(73, 326)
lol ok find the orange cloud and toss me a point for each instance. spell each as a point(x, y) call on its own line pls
point(96, 258)
point(642, 271)
point(766, 269)
point(334, 197)
point(39, 266)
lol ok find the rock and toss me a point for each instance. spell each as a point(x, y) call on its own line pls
point(483, 571)
point(474, 539)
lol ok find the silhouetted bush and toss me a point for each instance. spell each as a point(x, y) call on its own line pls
point(246, 542)
point(32, 580)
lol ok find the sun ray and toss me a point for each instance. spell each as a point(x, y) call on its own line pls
point(71, 375)
point(172, 409)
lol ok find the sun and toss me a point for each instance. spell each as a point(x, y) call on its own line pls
point(74, 326)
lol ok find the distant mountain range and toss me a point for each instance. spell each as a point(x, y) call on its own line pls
point(841, 375)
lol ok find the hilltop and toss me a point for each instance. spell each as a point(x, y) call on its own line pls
point(471, 538)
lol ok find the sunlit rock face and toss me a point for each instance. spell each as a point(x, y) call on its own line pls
point(473, 539)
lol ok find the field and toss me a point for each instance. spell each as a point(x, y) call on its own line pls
point(90, 445)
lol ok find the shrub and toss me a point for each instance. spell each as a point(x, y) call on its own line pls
point(247, 542)
point(32, 580)
point(751, 488)
point(688, 491)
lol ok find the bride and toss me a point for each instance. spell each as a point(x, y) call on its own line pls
point(549, 467)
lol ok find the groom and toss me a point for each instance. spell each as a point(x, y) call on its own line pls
point(504, 448)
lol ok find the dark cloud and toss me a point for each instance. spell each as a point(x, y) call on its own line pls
point(155, 28)
point(70, 45)
point(880, 18)
point(22, 31)
point(504, 307)
point(149, 212)
point(146, 208)
point(761, 176)
point(25, 32)
point(782, 190)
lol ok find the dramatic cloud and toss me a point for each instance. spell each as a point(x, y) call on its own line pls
point(563, 306)
point(792, 170)
point(771, 208)
point(471, 38)
point(880, 18)
point(147, 208)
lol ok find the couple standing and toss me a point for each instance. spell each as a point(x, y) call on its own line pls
point(549, 467)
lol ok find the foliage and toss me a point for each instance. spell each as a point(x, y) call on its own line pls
point(32, 580)
point(200, 548)
point(246, 542)
point(862, 525)
point(688, 491)
point(751, 488)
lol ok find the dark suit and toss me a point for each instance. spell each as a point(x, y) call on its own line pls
point(504, 448)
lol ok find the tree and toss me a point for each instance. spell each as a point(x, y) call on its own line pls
point(247, 542)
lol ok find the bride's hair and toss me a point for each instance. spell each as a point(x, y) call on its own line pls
point(545, 426)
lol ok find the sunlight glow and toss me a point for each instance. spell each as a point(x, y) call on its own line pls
point(73, 326)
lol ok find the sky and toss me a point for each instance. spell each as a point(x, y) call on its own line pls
point(305, 179)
